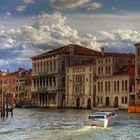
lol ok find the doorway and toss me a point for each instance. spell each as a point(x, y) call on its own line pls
point(116, 102)
point(107, 101)
point(89, 103)
point(78, 103)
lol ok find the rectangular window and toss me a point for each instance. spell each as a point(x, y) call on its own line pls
point(101, 86)
point(125, 100)
point(117, 85)
point(114, 85)
point(106, 86)
point(122, 100)
point(98, 86)
point(83, 90)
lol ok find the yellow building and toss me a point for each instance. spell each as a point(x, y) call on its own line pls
point(80, 85)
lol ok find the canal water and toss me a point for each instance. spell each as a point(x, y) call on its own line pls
point(64, 124)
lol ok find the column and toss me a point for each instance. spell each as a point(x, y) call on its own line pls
point(33, 87)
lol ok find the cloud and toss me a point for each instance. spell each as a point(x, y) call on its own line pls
point(60, 4)
point(94, 23)
point(121, 35)
point(28, 1)
point(93, 6)
point(7, 15)
point(46, 32)
point(52, 30)
point(21, 8)
point(120, 40)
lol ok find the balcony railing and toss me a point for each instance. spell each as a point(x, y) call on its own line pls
point(42, 90)
point(78, 94)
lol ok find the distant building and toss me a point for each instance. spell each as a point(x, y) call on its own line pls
point(137, 70)
point(115, 74)
point(49, 73)
point(15, 83)
point(77, 77)
point(80, 85)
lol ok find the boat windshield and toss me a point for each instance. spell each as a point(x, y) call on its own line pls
point(99, 117)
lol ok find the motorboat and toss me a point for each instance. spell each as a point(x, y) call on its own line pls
point(102, 119)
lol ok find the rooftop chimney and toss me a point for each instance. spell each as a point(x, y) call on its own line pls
point(102, 50)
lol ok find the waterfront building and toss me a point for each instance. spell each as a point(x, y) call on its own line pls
point(134, 105)
point(15, 83)
point(23, 88)
point(115, 82)
point(80, 85)
point(137, 64)
point(49, 73)
point(0, 91)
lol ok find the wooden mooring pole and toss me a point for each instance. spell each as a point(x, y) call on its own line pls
point(6, 104)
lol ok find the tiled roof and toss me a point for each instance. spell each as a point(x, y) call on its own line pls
point(106, 54)
point(137, 44)
point(77, 49)
point(14, 74)
point(127, 70)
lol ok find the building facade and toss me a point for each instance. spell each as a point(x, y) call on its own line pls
point(15, 84)
point(49, 73)
point(136, 98)
point(114, 77)
point(80, 85)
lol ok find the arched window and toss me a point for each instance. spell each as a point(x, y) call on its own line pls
point(23, 74)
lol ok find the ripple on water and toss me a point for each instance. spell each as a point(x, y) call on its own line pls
point(39, 124)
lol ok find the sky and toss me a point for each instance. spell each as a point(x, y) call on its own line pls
point(32, 27)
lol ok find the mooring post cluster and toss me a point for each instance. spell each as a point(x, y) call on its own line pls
point(6, 104)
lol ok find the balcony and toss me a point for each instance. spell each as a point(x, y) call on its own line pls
point(42, 90)
point(78, 94)
point(43, 74)
point(77, 83)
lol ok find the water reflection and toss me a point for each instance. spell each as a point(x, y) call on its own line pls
point(57, 124)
